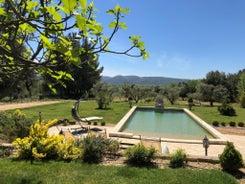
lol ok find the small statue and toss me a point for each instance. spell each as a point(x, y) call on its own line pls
point(159, 102)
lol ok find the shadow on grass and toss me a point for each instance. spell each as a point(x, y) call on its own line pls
point(238, 174)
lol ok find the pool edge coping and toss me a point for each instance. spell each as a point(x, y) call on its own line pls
point(220, 138)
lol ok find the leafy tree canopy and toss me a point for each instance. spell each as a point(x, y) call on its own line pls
point(41, 28)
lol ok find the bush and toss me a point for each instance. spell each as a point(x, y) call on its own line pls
point(14, 125)
point(190, 102)
point(241, 124)
point(242, 100)
point(178, 158)
point(215, 123)
point(95, 123)
point(223, 124)
point(232, 123)
point(39, 145)
point(231, 159)
point(139, 155)
point(103, 123)
point(5, 151)
point(94, 148)
point(226, 109)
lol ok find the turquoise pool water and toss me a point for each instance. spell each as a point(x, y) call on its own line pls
point(173, 124)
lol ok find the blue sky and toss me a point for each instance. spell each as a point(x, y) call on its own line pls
point(185, 38)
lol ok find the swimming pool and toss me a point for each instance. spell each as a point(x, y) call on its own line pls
point(169, 124)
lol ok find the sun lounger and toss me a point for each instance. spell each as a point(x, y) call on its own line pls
point(77, 117)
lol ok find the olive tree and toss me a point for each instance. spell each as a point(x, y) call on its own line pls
point(241, 89)
point(172, 93)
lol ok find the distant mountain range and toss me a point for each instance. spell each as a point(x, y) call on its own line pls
point(150, 81)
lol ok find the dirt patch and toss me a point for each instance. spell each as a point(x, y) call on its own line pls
point(231, 130)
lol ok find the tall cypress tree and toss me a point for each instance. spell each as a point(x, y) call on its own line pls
point(85, 74)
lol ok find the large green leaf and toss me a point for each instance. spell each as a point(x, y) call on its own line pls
point(69, 5)
point(112, 24)
point(123, 25)
point(81, 24)
point(57, 16)
point(2, 12)
point(125, 10)
point(117, 8)
point(47, 43)
point(31, 5)
point(84, 5)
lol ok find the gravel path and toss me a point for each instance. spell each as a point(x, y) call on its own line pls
point(8, 106)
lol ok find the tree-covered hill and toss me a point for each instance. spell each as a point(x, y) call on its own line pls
point(161, 81)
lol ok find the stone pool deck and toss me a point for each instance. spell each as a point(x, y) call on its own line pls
point(192, 149)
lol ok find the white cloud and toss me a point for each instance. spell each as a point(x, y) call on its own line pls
point(177, 62)
point(173, 65)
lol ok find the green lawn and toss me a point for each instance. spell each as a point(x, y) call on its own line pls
point(59, 172)
point(117, 110)
point(19, 172)
point(210, 114)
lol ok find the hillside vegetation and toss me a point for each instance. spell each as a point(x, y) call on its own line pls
point(151, 81)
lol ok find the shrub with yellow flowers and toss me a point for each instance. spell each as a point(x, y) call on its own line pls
point(39, 145)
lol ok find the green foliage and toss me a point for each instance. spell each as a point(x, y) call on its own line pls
point(232, 123)
point(5, 151)
point(103, 94)
point(85, 74)
point(241, 124)
point(190, 100)
point(215, 123)
point(231, 159)
point(242, 100)
point(226, 109)
point(241, 89)
point(77, 173)
point(39, 42)
point(178, 158)
point(94, 148)
point(172, 93)
point(139, 155)
point(223, 124)
point(14, 125)
point(39, 145)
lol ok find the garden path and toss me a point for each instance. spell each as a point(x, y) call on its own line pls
point(9, 106)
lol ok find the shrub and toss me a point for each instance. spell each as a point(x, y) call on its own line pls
point(94, 148)
point(39, 145)
point(139, 155)
point(241, 124)
point(190, 102)
point(95, 123)
point(226, 109)
point(14, 125)
point(112, 147)
point(223, 124)
point(103, 123)
point(215, 123)
point(231, 159)
point(232, 123)
point(242, 100)
point(178, 158)
point(5, 151)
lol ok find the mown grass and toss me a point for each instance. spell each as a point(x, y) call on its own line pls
point(117, 110)
point(210, 114)
point(72, 173)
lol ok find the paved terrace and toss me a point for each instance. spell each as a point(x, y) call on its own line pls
point(192, 149)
